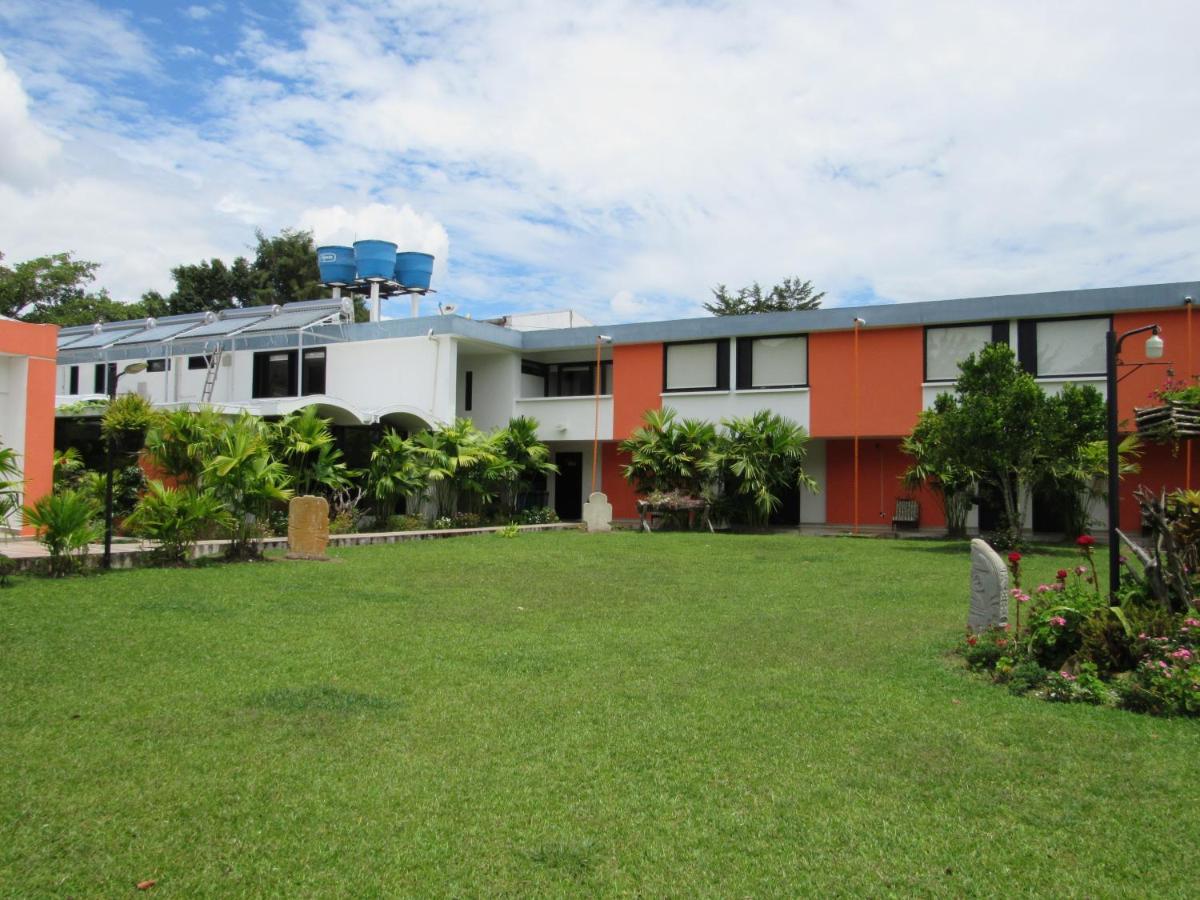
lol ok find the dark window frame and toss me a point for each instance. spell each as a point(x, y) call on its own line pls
point(162, 364)
point(261, 379)
point(1027, 345)
point(468, 390)
point(198, 362)
point(306, 374)
point(1000, 335)
point(552, 376)
point(73, 380)
point(104, 375)
point(722, 345)
point(745, 363)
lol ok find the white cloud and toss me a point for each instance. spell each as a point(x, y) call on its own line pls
point(26, 151)
point(624, 158)
point(198, 13)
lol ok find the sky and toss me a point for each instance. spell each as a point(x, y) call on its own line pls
point(618, 158)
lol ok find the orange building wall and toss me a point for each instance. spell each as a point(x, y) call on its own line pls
point(880, 466)
point(40, 344)
point(620, 492)
point(637, 385)
point(1136, 384)
point(891, 367)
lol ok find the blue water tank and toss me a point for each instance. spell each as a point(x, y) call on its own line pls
point(375, 259)
point(336, 265)
point(414, 270)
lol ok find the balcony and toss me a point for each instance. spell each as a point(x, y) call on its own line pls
point(567, 418)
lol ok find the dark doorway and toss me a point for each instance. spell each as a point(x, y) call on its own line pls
point(568, 486)
point(1048, 512)
point(787, 514)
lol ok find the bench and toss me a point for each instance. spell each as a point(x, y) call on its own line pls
point(908, 514)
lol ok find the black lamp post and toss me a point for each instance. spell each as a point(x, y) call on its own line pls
point(130, 369)
point(1154, 350)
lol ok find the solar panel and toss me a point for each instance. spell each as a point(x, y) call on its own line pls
point(286, 321)
point(159, 332)
point(103, 339)
point(65, 339)
point(224, 326)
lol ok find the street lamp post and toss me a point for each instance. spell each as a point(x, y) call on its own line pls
point(1154, 350)
point(600, 339)
point(130, 369)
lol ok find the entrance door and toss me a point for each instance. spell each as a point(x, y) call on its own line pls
point(568, 486)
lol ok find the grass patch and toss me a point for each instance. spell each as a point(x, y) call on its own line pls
point(563, 713)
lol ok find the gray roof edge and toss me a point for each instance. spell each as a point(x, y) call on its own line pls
point(1050, 304)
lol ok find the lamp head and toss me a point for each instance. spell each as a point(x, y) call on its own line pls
point(1154, 345)
point(859, 322)
point(134, 368)
point(604, 338)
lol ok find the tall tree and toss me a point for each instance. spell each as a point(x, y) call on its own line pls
point(37, 286)
point(790, 294)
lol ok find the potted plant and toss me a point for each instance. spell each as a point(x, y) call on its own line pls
point(126, 420)
point(1176, 415)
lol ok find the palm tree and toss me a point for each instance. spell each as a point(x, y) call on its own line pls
point(180, 442)
point(669, 455)
point(758, 457)
point(11, 484)
point(394, 472)
point(522, 456)
point(246, 479)
point(303, 442)
point(454, 460)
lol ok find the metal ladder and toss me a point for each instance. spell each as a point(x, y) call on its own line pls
point(210, 376)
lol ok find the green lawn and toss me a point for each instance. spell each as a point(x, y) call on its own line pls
point(563, 714)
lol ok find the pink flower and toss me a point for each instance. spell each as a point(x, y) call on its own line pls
point(1192, 623)
point(1020, 596)
point(1066, 676)
point(1081, 570)
point(1058, 621)
point(1182, 653)
point(1044, 588)
point(1062, 574)
point(1161, 664)
point(1060, 587)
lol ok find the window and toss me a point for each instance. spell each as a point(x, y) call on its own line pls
point(99, 382)
point(772, 362)
point(74, 380)
point(275, 374)
point(158, 365)
point(696, 366)
point(946, 347)
point(1063, 347)
point(313, 378)
point(572, 379)
point(468, 386)
point(197, 362)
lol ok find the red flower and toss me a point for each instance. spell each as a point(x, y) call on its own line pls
point(1062, 574)
point(1085, 540)
point(1014, 557)
point(972, 641)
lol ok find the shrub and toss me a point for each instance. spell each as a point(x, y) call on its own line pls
point(126, 419)
point(443, 522)
point(467, 520)
point(7, 567)
point(1026, 676)
point(1058, 616)
point(175, 518)
point(509, 531)
point(66, 524)
point(1167, 679)
point(342, 523)
point(1084, 687)
point(984, 650)
point(542, 515)
point(407, 522)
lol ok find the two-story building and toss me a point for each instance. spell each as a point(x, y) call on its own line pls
point(840, 380)
point(27, 387)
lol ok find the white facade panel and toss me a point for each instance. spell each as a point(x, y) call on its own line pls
point(945, 348)
point(1071, 347)
point(691, 366)
point(567, 418)
point(792, 403)
point(779, 361)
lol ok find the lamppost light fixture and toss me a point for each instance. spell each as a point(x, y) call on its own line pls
point(134, 368)
point(1154, 346)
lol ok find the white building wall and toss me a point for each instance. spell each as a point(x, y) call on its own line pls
point(495, 382)
point(14, 376)
point(568, 418)
point(792, 403)
point(812, 503)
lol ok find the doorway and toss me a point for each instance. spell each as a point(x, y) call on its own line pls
point(568, 486)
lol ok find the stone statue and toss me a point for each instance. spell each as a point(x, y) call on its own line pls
point(597, 512)
point(989, 588)
point(308, 528)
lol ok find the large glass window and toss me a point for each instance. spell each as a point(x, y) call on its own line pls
point(572, 379)
point(74, 381)
point(697, 366)
point(945, 348)
point(314, 372)
point(772, 362)
point(1071, 347)
point(275, 374)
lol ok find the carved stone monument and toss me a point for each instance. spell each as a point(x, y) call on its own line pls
point(597, 512)
point(308, 528)
point(989, 588)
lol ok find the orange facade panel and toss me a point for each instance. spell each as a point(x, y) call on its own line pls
point(620, 492)
point(890, 369)
point(637, 385)
point(1181, 355)
point(38, 344)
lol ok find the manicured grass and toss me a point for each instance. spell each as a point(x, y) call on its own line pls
point(563, 714)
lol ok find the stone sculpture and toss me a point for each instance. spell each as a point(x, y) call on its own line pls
point(308, 528)
point(989, 588)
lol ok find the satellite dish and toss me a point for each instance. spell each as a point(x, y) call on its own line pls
point(448, 309)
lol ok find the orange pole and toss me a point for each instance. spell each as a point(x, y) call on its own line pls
point(857, 323)
point(596, 424)
point(1187, 478)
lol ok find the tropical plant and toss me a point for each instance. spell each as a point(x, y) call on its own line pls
point(68, 466)
point(758, 457)
point(521, 457)
point(180, 442)
point(127, 418)
point(244, 476)
point(454, 459)
point(175, 517)
point(669, 455)
point(1073, 454)
point(393, 472)
point(65, 523)
point(11, 484)
point(936, 467)
point(303, 442)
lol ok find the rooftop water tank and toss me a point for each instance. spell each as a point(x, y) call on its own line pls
point(336, 264)
point(375, 259)
point(414, 270)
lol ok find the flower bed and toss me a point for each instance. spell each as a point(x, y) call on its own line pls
point(1073, 647)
